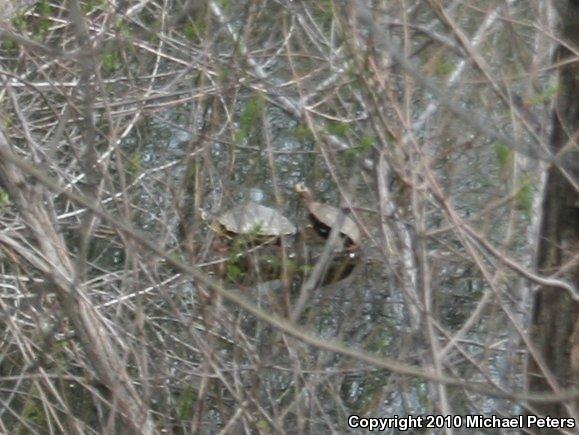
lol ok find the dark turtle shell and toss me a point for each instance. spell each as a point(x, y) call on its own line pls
point(324, 216)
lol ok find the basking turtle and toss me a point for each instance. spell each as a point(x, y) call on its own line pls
point(323, 217)
point(255, 221)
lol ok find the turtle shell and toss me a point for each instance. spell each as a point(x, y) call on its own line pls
point(324, 216)
point(256, 219)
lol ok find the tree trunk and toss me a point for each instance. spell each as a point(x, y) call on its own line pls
point(555, 328)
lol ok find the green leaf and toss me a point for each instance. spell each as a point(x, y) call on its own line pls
point(19, 22)
point(190, 31)
point(325, 11)
point(255, 230)
point(443, 67)
point(4, 198)
point(43, 26)
point(239, 136)
point(262, 424)
point(350, 154)
point(225, 5)
point(504, 155)
point(234, 272)
point(303, 133)
point(251, 113)
point(194, 30)
point(43, 8)
point(546, 95)
point(367, 143)
point(110, 61)
point(186, 402)
point(8, 44)
point(338, 129)
point(525, 197)
point(134, 164)
point(125, 30)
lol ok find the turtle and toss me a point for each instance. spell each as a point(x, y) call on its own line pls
point(255, 221)
point(323, 216)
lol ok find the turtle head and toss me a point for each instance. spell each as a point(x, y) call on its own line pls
point(204, 214)
point(211, 221)
point(304, 191)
